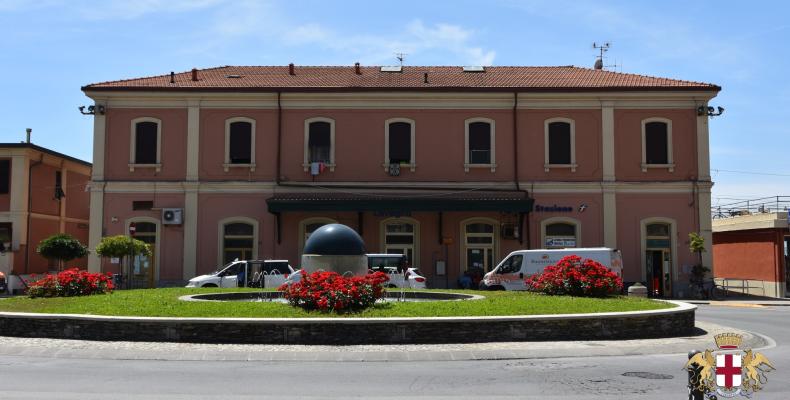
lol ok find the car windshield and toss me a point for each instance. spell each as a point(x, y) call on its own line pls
point(218, 270)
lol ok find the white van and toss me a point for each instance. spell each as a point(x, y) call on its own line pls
point(518, 265)
point(246, 273)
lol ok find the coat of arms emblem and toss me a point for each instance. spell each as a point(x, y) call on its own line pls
point(729, 371)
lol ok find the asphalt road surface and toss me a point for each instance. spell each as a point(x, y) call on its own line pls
point(658, 376)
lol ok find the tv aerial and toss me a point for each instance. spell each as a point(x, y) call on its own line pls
point(602, 49)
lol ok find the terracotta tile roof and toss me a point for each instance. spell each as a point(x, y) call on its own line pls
point(344, 78)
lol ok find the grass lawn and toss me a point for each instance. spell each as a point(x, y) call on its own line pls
point(165, 303)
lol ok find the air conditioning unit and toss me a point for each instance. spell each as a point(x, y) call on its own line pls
point(509, 231)
point(172, 216)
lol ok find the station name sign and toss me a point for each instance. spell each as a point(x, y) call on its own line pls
point(552, 208)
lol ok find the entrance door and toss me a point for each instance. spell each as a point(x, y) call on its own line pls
point(480, 258)
point(658, 260)
point(143, 273)
point(5, 254)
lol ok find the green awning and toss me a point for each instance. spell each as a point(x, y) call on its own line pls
point(511, 201)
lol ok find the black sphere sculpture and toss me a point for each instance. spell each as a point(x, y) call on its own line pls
point(335, 240)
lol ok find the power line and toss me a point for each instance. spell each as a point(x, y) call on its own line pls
point(748, 172)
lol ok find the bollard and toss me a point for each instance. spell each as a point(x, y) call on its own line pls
point(694, 392)
point(637, 290)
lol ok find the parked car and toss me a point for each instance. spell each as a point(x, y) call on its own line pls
point(509, 274)
point(396, 267)
point(246, 273)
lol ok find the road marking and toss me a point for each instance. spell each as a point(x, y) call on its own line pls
point(728, 304)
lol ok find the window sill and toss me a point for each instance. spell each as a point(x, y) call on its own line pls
point(330, 166)
point(670, 167)
point(548, 167)
point(468, 166)
point(411, 167)
point(157, 167)
point(228, 166)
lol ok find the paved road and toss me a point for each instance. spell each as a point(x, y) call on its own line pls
point(646, 377)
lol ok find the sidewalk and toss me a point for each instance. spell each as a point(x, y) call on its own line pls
point(79, 349)
point(742, 301)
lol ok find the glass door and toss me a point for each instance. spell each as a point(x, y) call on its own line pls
point(143, 268)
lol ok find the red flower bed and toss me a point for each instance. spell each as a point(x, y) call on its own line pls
point(330, 291)
point(71, 282)
point(576, 277)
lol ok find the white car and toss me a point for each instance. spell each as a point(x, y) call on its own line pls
point(246, 273)
point(394, 265)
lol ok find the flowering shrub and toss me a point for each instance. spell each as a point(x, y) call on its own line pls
point(330, 291)
point(71, 282)
point(576, 277)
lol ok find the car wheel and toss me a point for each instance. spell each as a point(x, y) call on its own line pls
point(209, 285)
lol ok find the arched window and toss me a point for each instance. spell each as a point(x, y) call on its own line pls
point(399, 147)
point(480, 149)
point(401, 236)
point(560, 146)
point(480, 244)
point(238, 241)
point(560, 232)
point(657, 144)
point(239, 143)
point(319, 142)
point(145, 145)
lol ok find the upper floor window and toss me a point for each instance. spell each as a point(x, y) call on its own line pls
point(560, 150)
point(145, 149)
point(399, 143)
point(239, 143)
point(480, 144)
point(319, 141)
point(657, 144)
point(5, 176)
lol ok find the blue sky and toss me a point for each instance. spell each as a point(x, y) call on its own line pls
point(49, 48)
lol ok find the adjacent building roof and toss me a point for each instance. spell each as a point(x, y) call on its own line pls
point(422, 78)
point(32, 146)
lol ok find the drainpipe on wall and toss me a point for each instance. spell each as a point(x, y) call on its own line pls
point(515, 140)
point(30, 207)
point(279, 135)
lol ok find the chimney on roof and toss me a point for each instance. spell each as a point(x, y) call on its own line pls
point(194, 75)
point(172, 77)
point(28, 131)
point(291, 69)
point(357, 70)
point(425, 78)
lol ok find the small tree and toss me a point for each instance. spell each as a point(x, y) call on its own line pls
point(121, 246)
point(697, 245)
point(61, 247)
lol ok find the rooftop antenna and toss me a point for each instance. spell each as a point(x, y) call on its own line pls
point(400, 57)
point(602, 48)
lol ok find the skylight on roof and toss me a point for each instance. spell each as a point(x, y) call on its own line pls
point(474, 68)
point(394, 68)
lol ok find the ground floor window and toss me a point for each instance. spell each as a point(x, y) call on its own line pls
point(400, 237)
point(307, 227)
point(560, 233)
point(238, 241)
point(479, 246)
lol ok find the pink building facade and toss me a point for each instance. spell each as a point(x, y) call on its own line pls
point(42, 193)
point(454, 168)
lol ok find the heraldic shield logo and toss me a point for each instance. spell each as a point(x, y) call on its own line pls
point(729, 371)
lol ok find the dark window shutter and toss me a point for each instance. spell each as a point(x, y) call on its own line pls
point(559, 143)
point(240, 143)
point(656, 147)
point(145, 143)
point(400, 142)
point(5, 176)
point(319, 142)
point(479, 143)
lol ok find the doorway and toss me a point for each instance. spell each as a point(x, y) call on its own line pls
point(143, 268)
point(658, 260)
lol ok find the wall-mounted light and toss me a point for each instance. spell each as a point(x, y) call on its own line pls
point(710, 111)
point(92, 110)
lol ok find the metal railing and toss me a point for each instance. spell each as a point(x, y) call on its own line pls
point(762, 205)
